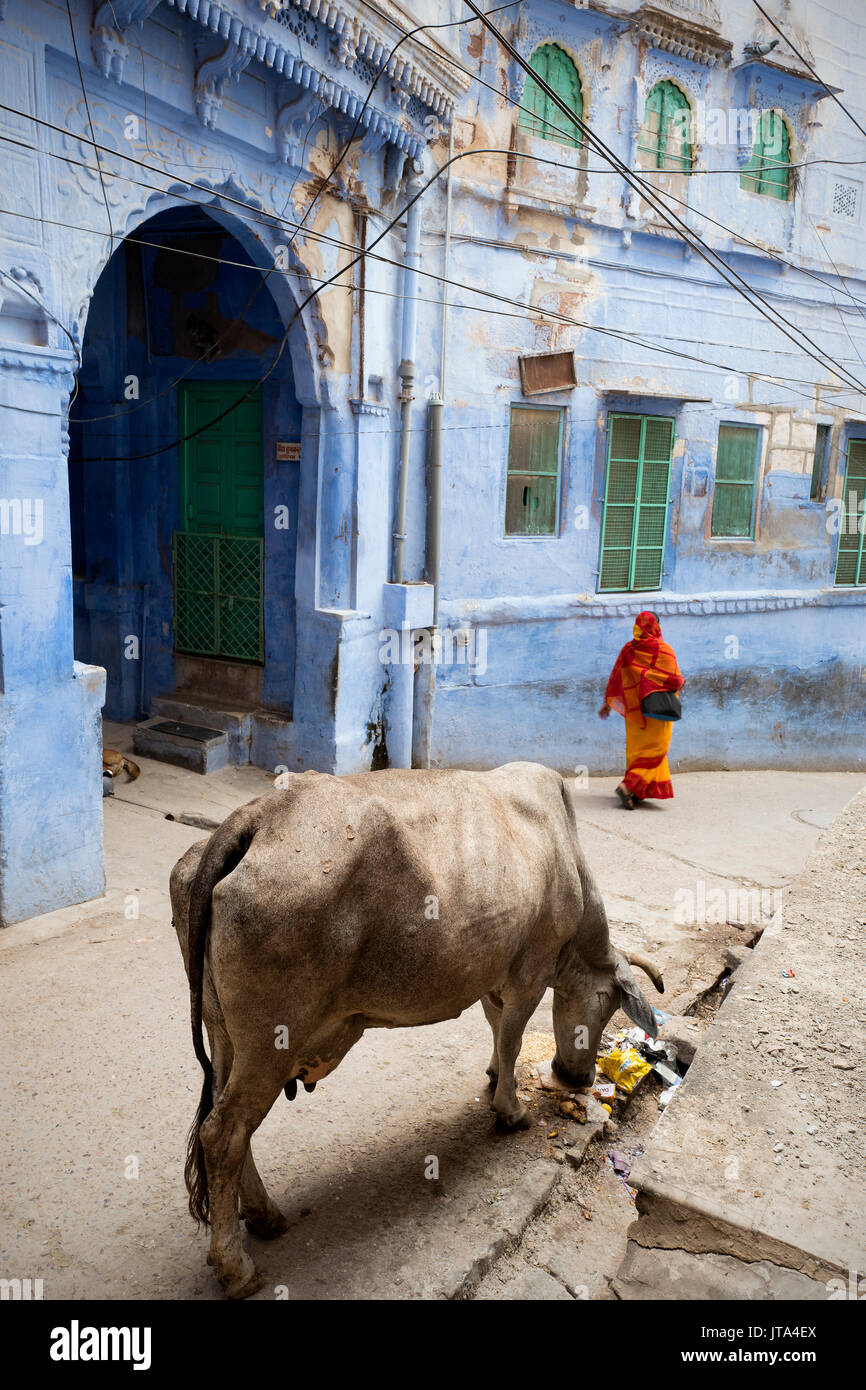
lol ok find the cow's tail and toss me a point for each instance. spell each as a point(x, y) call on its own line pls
point(226, 849)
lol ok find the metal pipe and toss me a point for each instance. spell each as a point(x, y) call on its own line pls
point(412, 262)
point(446, 262)
point(435, 409)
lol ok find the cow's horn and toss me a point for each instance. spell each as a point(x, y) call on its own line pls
point(648, 968)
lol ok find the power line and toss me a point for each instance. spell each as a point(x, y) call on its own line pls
point(561, 130)
point(89, 117)
point(652, 345)
point(299, 310)
point(693, 239)
point(271, 219)
point(805, 61)
point(550, 315)
point(732, 277)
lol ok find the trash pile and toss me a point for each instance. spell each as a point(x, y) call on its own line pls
point(622, 1161)
point(631, 1054)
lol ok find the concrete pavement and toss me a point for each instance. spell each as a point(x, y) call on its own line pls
point(751, 1186)
point(101, 1083)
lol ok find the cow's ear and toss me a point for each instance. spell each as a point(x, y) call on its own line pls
point(632, 1000)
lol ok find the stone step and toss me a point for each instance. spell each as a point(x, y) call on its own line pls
point(189, 708)
point(198, 747)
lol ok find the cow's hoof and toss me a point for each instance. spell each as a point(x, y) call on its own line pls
point(515, 1119)
point(248, 1282)
point(267, 1227)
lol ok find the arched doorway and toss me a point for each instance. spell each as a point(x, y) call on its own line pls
point(184, 475)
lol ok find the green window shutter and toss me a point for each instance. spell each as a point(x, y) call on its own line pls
point(664, 135)
point(736, 476)
point(851, 558)
point(532, 485)
point(640, 449)
point(769, 170)
point(538, 114)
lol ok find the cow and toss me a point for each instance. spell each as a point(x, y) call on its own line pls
point(385, 899)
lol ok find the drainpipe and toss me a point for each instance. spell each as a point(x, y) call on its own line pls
point(436, 409)
point(412, 263)
point(426, 679)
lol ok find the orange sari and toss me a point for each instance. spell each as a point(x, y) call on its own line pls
point(644, 664)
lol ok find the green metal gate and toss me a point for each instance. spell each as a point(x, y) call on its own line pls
point(218, 585)
point(218, 556)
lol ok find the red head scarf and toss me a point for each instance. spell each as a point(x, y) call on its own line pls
point(644, 664)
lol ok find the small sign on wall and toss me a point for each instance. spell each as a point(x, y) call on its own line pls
point(288, 451)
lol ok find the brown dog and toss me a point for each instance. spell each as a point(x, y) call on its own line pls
point(115, 763)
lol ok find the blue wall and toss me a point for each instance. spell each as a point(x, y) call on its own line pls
point(245, 116)
point(125, 513)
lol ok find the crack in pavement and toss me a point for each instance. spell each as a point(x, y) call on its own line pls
point(678, 858)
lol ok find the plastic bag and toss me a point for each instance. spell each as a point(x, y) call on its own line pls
point(625, 1066)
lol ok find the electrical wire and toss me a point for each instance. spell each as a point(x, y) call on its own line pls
point(297, 228)
point(805, 61)
point(271, 219)
point(300, 308)
point(652, 345)
point(732, 277)
point(470, 289)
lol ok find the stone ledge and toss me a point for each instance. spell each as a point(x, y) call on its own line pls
point(757, 1156)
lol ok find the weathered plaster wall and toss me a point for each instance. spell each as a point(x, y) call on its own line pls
point(768, 683)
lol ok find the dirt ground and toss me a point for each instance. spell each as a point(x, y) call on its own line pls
point(100, 1078)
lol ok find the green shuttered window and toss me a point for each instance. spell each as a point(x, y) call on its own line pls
point(637, 485)
point(538, 114)
point(532, 489)
point(769, 169)
point(663, 141)
point(736, 476)
point(851, 556)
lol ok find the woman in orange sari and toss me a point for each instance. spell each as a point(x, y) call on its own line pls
point(645, 664)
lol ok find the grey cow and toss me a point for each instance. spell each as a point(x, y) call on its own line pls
point(380, 900)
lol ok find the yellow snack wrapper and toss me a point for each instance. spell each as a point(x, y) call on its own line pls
point(625, 1066)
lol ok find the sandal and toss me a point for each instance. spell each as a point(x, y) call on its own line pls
point(626, 798)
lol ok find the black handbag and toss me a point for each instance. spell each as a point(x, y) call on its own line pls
point(662, 704)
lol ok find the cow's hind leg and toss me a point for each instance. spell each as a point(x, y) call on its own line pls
point(493, 1012)
point(262, 1215)
point(515, 1016)
point(251, 1090)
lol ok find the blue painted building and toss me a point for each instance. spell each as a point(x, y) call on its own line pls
point(245, 467)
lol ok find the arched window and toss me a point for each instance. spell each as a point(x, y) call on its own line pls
point(769, 169)
point(663, 142)
point(538, 114)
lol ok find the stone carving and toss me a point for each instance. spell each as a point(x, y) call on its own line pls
point(111, 20)
point(689, 28)
point(216, 73)
point(292, 128)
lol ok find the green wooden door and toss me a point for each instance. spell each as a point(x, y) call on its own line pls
point(639, 453)
point(851, 555)
point(218, 553)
